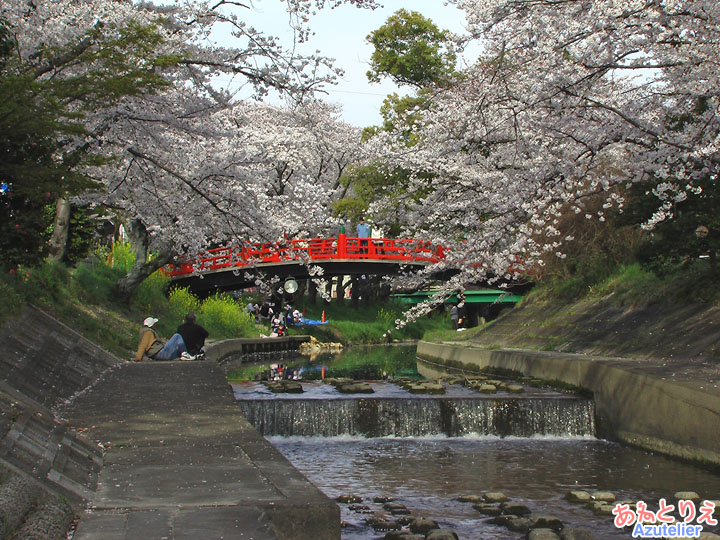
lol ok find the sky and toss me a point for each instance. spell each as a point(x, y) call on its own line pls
point(341, 33)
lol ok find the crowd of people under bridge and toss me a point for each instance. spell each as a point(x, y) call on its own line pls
point(279, 318)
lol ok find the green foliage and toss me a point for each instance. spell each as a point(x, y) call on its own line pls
point(81, 234)
point(151, 294)
point(411, 50)
point(48, 281)
point(122, 256)
point(222, 316)
point(23, 229)
point(182, 302)
point(41, 117)
point(370, 183)
point(677, 240)
point(597, 250)
point(369, 324)
point(11, 297)
point(401, 114)
point(93, 282)
point(387, 317)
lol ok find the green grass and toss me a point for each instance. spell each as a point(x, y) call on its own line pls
point(633, 284)
point(83, 299)
point(369, 324)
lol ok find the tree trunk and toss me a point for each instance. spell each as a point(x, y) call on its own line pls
point(355, 291)
point(340, 288)
point(312, 292)
point(142, 268)
point(61, 229)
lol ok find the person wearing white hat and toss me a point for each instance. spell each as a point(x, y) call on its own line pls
point(152, 347)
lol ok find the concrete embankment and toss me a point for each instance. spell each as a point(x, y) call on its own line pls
point(636, 401)
point(654, 370)
point(154, 450)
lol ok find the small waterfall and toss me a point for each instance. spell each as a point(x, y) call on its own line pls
point(453, 417)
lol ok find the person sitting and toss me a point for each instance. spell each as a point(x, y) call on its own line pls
point(280, 330)
point(193, 335)
point(151, 347)
point(276, 321)
point(265, 312)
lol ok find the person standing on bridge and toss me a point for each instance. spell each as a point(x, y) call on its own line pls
point(363, 231)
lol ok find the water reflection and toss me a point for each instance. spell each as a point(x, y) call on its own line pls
point(360, 362)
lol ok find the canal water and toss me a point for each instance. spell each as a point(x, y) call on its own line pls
point(427, 451)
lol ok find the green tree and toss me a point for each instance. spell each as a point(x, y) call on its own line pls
point(693, 232)
point(411, 50)
point(44, 144)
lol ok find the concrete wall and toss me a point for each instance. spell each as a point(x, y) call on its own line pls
point(221, 350)
point(48, 361)
point(632, 404)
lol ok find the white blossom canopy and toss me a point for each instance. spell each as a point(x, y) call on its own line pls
point(196, 166)
point(567, 99)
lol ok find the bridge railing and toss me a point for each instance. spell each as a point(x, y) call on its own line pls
point(341, 247)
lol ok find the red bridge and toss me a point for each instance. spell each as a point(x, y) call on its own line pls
point(230, 268)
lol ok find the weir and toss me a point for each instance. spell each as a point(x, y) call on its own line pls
point(452, 417)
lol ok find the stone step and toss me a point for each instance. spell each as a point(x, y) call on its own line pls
point(33, 441)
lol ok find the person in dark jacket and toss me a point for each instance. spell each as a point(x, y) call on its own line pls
point(193, 334)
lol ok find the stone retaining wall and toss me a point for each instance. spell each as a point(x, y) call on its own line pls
point(632, 405)
point(221, 350)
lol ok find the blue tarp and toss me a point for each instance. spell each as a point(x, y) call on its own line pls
point(312, 322)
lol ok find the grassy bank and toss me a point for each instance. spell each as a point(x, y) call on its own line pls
point(82, 297)
point(372, 324)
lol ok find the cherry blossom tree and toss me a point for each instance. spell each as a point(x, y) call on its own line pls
point(190, 164)
point(568, 99)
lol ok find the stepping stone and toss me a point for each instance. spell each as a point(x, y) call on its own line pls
point(547, 522)
point(396, 509)
point(441, 534)
point(382, 524)
point(542, 534)
point(514, 508)
point(604, 496)
point(578, 496)
point(495, 497)
point(349, 499)
point(488, 509)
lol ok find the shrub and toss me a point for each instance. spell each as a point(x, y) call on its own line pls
point(11, 301)
point(182, 302)
point(122, 256)
point(225, 318)
point(93, 283)
point(45, 283)
point(151, 293)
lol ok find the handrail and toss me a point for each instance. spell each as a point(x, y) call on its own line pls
point(311, 250)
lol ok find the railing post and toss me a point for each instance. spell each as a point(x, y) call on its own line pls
point(342, 246)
